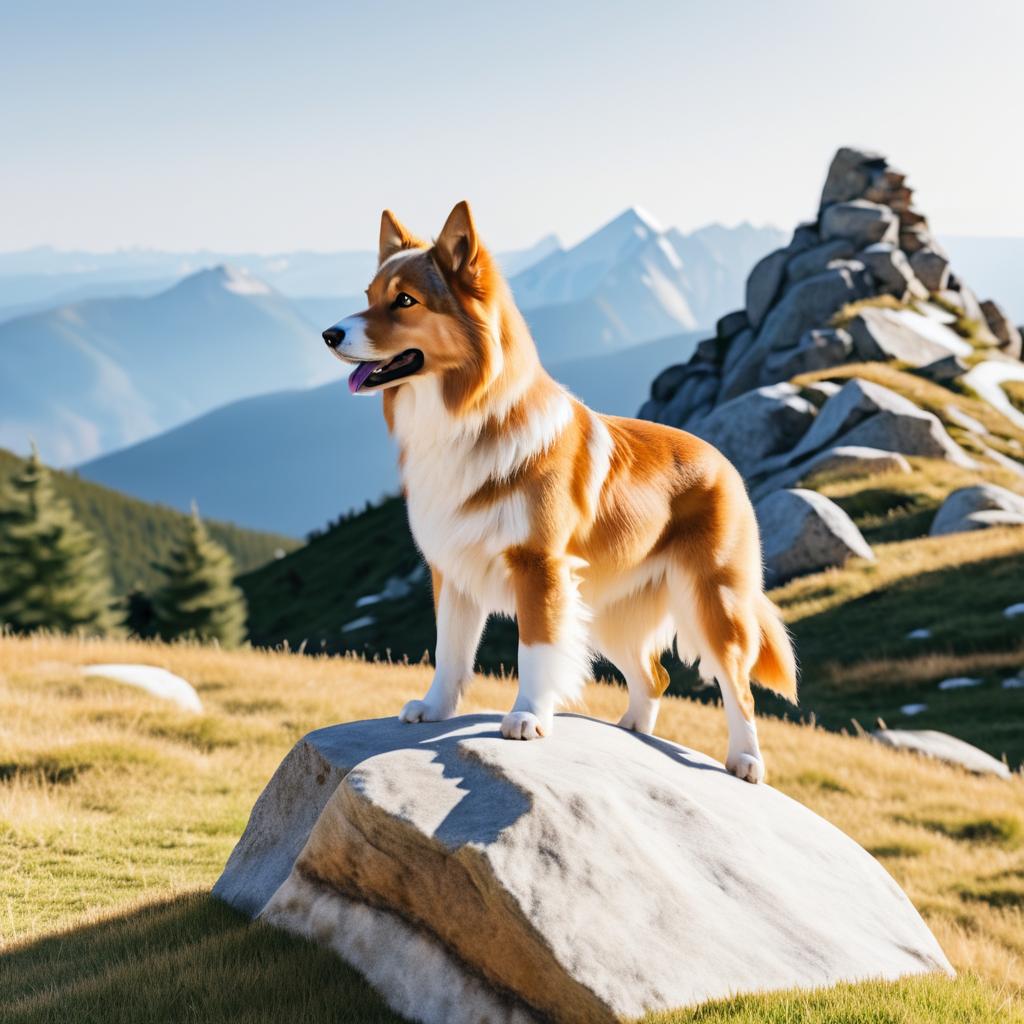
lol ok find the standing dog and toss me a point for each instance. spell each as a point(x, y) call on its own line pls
point(598, 533)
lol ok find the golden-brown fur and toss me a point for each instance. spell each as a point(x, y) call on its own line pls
point(615, 526)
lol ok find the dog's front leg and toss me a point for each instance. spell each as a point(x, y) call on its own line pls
point(553, 651)
point(460, 623)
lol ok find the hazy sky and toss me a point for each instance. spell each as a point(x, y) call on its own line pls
point(274, 126)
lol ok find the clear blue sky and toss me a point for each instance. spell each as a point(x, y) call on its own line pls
point(275, 126)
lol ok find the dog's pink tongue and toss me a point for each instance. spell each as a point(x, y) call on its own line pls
point(358, 376)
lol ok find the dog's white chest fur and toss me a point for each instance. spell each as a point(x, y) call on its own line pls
point(444, 465)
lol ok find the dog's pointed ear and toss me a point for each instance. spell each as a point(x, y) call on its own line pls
point(457, 247)
point(393, 237)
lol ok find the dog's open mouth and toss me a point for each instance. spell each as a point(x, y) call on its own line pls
point(373, 374)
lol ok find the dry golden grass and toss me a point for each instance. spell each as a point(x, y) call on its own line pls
point(111, 799)
point(809, 595)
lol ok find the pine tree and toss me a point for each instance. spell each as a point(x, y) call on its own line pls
point(198, 598)
point(52, 573)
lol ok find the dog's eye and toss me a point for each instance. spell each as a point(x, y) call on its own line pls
point(403, 301)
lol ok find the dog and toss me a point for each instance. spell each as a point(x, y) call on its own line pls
point(599, 534)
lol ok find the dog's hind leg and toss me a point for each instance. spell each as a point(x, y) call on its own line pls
point(460, 623)
point(631, 635)
point(727, 634)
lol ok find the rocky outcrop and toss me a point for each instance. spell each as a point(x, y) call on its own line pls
point(803, 531)
point(977, 508)
point(869, 243)
point(596, 876)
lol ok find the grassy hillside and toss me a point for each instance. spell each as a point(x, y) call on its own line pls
point(117, 813)
point(135, 533)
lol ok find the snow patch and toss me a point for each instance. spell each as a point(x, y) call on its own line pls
point(913, 709)
point(919, 634)
point(959, 683)
point(987, 380)
point(1014, 610)
point(361, 623)
point(241, 282)
point(156, 681)
point(1013, 683)
point(928, 328)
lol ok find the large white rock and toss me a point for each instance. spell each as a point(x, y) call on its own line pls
point(156, 681)
point(978, 507)
point(943, 747)
point(802, 531)
point(595, 875)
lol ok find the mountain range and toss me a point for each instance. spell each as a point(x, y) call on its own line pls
point(99, 374)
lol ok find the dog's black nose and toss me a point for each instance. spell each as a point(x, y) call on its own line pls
point(334, 336)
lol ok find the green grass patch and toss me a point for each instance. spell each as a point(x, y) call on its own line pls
point(897, 850)
point(1004, 830)
point(823, 782)
point(921, 1000)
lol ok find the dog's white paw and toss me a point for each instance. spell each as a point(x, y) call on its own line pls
point(422, 711)
point(523, 725)
point(748, 767)
point(640, 719)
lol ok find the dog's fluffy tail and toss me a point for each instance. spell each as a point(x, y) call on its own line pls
point(775, 667)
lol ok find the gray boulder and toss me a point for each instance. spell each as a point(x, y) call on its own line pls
point(816, 350)
point(470, 878)
point(695, 396)
point(816, 260)
point(757, 424)
point(860, 222)
point(851, 174)
point(820, 391)
point(731, 324)
point(851, 460)
point(668, 382)
point(944, 371)
point(867, 415)
point(977, 508)
point(943, 747)
point(808, 304)
point(892, 270)
point(1003, 328)
point(763, 285)
point(901, 334)
point(931, 268)
point(803, 532)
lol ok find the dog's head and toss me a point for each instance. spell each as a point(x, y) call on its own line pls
point(432, 313)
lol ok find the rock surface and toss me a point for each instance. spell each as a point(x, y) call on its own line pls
point(803, 531)
point(850, 460)
point(943, 747)
point(593, 876)
point(976, 508)
point(757, 424)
